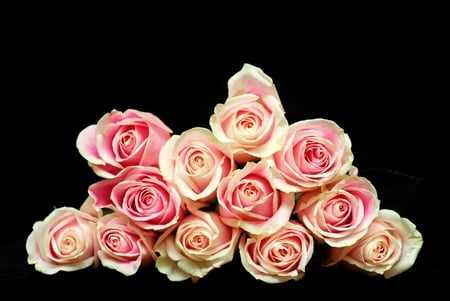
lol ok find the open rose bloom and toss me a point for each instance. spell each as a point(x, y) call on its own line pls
point(64, 241)
point(141, 194)
point(390, 247)
point(121, 139)
point(252, 185)
point(248, 199)
point(280, 256)
point(340, 213)
point(196, 161)
point(201, 243)
point(123, 246)
point(252, 120)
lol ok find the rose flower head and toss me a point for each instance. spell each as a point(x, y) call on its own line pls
point(64, 241)
point(195, 162)
point(201, 243)
point(252, 120)
point(123, 246)
point(339, 213)
point(280, 256)
point(143, 195)
point(316, 152)
point(121, 139)
point(248, 199)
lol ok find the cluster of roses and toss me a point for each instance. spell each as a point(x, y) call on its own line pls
point(251, 184)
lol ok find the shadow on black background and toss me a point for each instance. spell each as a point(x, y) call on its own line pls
point(375, 93)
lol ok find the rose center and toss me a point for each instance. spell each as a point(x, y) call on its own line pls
point(198, 241)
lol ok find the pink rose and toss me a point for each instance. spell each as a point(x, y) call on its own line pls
point(121, 139)
point(201, 243)
point(316, 152)
point(278, 257)
point(195, 162)
point(390, 247)
point(64, 241)
point(124, 246)
point(339, 213)
point(248, 199)
point(141, 193)
point(252, 120)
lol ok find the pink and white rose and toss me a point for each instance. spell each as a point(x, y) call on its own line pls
point(195, 162)
point(389, 248)
point(248, 199)
point(200, 243)
point(316, 152)
point(64, 241)
point(340, 213)
point(122, 245)
point(252, 120)
point(121, 139)
point(280, 256)
point(142, 194)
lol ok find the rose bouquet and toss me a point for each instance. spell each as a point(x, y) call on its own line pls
point(252, 186)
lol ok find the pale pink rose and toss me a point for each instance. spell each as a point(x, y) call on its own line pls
point(252, 120)
point(340, 213)
point(390, 247)
point(316, 152)
point(121, 139)
point(200, 243)
point(124, 246)
point(248, 199)
point(278, 257)
point(142, 194)
point(195, 162)
point(64, 241)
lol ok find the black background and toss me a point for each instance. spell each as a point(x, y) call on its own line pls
point(374, 82)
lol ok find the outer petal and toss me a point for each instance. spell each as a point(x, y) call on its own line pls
point(412, 242)
point(251, 80)
point(87, 146)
